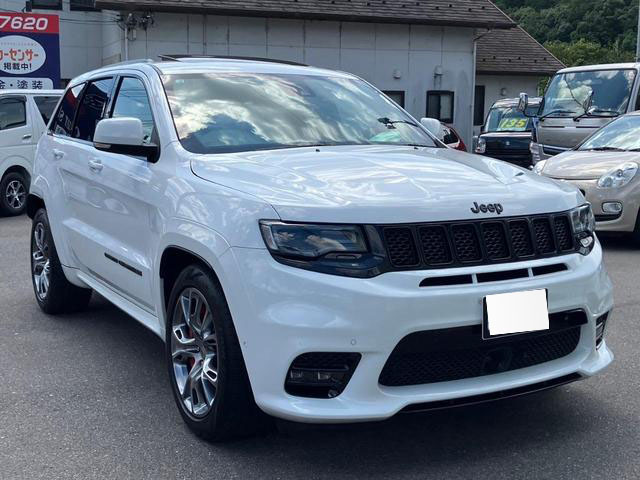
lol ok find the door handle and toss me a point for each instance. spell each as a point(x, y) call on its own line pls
point(95, 165)
point(27, 136)
point(58, 154)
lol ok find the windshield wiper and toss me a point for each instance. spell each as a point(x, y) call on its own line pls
point(607, 149)
point(592, 113)
point(555, 112)
point(387, 121)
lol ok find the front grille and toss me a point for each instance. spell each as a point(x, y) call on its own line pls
point(455, 244)
point(459, 353)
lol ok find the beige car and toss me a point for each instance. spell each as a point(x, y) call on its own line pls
point(605, 168)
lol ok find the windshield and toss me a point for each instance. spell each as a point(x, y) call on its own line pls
point(509, 119)
point(568, 92)
point(235, 112)
point(621, 134)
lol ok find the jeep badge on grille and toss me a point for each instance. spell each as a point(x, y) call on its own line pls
point(490, 207)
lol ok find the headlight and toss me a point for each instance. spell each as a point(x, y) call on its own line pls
point(539, 167)
point(334, 249)
point(481, 146)
point(584, 226)
point(619, 176)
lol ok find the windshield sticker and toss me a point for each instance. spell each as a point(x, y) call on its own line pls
point(513, 124)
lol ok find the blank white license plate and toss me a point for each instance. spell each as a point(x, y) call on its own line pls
point(516, 312)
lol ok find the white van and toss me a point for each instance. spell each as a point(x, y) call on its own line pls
point(24, 115)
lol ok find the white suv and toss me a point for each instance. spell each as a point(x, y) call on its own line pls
point(24, 115)
point(306, 249)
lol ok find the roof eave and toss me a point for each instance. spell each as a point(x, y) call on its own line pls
point(143, 6)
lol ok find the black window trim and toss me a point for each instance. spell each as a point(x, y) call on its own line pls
point(81, 99)
point(23, 99)
point(119, 78)
point(453, 105)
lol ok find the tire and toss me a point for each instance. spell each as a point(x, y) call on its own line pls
point(54, 293)
point(13, 194)
point(206, 368)
point(635, 236)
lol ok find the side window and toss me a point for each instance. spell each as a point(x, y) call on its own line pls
point(395, 95)
point(46, 105)
point(92, 108)
point(440, 105)
point(63, 122)
point(133, 101)
point(449, 137)
point(13, 113)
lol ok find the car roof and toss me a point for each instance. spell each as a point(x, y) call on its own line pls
point(512, 102)
point(606, 66)
point(25, 91)
point(184, 65)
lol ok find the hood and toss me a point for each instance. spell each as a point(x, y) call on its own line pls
point(577, 165)
point(565, 133)
point(383, 184)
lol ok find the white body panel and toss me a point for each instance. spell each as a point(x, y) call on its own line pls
point(210, 205)
point(18, 145)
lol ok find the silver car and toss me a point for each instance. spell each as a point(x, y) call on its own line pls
point(605, 168)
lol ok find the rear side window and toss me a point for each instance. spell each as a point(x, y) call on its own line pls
point(133, 101)
point(92, 108)
point(46, 105)
point(63, 123)
point(13, 113)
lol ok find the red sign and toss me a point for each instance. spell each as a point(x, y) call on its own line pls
point(29, 23)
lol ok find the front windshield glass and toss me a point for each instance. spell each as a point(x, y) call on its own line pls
point(568, 92)
point(621, 134)
point(238, 111)
point(509, 119)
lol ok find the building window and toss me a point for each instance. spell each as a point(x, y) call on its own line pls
point(83, 5)
point(478, 106)
point(395, 95)
point(440, 105)
point(47, 4)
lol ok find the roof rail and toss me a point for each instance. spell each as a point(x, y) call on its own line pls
point(182, 57)
point(129, 62)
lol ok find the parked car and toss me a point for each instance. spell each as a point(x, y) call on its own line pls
point(313, 253)
point(506, 133)
point(604, 168)
point(448, 135)
point(24, 115)
point(580, 100)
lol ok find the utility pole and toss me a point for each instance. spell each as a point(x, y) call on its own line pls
point(638, 41)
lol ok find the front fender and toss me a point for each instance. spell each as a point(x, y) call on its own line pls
point(203, 242)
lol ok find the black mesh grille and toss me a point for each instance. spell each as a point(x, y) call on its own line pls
point(521, 238)
point(465, 240)
point(435, 246)
point(481, 242)
point(563, 233)
point(459, 353)
point(495, 241)
point(401, 247)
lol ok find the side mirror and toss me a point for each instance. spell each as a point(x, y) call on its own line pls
point(523, 102)
point(433, 126)
point(125, 136)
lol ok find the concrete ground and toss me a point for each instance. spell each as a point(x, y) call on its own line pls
point(87, 396)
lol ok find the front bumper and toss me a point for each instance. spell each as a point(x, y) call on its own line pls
point(281, 312)
point(628, 196)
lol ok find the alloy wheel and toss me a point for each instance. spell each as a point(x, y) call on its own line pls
point(15, 194)
point(41, 262)
point(194, 352)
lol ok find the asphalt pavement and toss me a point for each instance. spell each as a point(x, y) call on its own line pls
point(87, 396)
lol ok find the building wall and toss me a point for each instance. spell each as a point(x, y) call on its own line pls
point(513, 85)
point(81, 36)
point(392, 57)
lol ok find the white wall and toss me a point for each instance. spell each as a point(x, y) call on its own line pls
point(373, 51)
point(513, 85)
point(81, 36)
